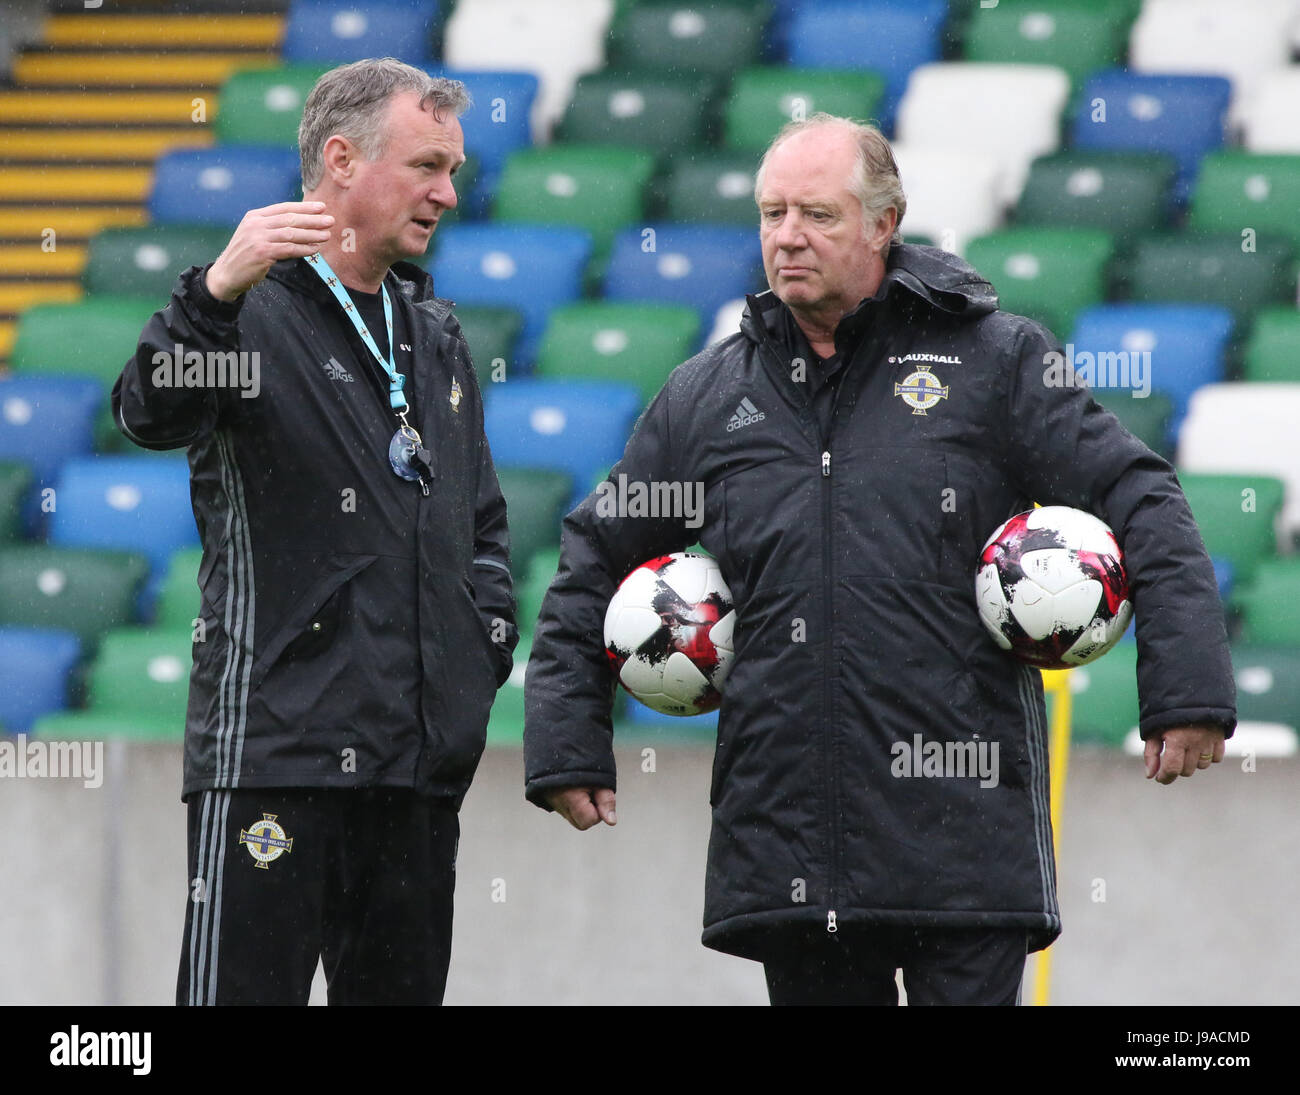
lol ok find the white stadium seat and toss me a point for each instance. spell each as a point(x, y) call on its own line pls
point(952, 194)
point(1012, 112)
point(726, 320)
point(1270, 118)
point(559, 40)
point(1243, 428)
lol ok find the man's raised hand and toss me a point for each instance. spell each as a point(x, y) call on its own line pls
point(264, 237)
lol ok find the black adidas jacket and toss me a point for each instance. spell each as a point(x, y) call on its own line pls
point(851, 558)
point(354, 631)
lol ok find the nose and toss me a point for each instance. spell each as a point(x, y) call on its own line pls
point(789, 234)
point(444, 192)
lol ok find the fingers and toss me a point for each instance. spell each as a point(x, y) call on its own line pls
point(1182, 751)
point(583, 807)
point(604, 799)
point(1151, 756)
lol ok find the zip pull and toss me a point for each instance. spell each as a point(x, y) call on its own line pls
point(424, 486)
point(826, 463)
point(831, 926)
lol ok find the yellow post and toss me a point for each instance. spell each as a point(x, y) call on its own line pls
point(1056, 684)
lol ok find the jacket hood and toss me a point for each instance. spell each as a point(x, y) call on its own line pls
point(938, 277)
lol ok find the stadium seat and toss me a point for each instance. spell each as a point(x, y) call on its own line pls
point(352, 30)
point(1048, 274)
point(708, 38)
point(1268, 604)
point(1124, 193)
point(1237, 516)
point(532, 269)
point(35, 666)
point(536, 501)
point(15, 484)
point(144, 262)
point(129, 503)
point(575, 426)
point(1273, 350)
point(1236, 191)
point(141, 671)
point(656, 113)
point(952, 195)
point(712, 187)
point(762, 100)
point(1269, 118)
point(1268, 683)
point(1078, 36)
point(506, 722)
point(178, 596)
point(701, 266)
point(637, 344)
point(882, 35)
point(726, 320)
point(1104, 697)
point(499, 119)
point(1212, 269)
point(1249, 429)
point(1148, 419)
point(590, 187)
point(466, 184)
point(46, 421)
point(264, 105)
point(1183, 116)
point(492, 334)
point(1012, 112)
point(532, 591)
point(106, 726)
point(217, 186)
point(1187, 345)
point(78, 590)
point(557, 41)
point(89, 338)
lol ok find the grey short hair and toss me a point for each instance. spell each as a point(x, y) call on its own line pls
point(352, 101)
point(876, 181)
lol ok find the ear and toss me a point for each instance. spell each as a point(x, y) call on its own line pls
point(883, 230)
point(339, 155)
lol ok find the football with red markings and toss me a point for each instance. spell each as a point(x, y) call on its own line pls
point(668, 633)
point(1052, 588)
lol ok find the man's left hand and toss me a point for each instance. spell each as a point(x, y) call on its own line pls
point(1185, 749)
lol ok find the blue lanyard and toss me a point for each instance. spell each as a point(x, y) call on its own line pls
point(396, 380)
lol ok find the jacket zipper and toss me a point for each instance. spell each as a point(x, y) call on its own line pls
point(828, 722)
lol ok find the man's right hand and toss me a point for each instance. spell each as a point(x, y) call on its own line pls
point(582, 807)
point(264, 237)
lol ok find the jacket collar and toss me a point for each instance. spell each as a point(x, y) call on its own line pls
point(404, 279)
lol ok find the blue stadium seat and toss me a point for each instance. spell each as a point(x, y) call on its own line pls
point(889, 37)
point(35, 663)
point(1181, 115)
point(131, 503)
point(217, 186)
point(702, 266)
point(1187, 343)
point(531, 268)
point(352, 30)
point(498, 121)
point(46, 420)
point(576, 426)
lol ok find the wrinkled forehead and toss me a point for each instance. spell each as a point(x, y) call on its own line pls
point(810, 167)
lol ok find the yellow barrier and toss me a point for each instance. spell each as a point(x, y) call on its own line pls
point(1056, 685)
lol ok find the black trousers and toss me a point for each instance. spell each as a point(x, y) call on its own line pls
point(278, 879)
point(940, 966)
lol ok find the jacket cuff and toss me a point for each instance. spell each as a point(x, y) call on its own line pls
point(536, 788)
point(197, 284)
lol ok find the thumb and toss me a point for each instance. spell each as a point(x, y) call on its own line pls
point(604, 800)
point(1151, 755)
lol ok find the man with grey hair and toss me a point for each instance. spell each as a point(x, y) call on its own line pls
point(356, 614)
point(873, 421)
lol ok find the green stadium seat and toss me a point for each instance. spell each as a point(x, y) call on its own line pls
point(1238, 190)
point(1268, 683)
point(582, 186)
point(142, 671)
point(713, 187)
point(610, 340)
point(1268, 606)
point(1076, 35)
point(492, 334)
point(92, 337)
point(1273, 350)
point(1236, 526)
point(536, 502)
point(532, 591)
point(103, 726)
point(1147, 419)
point(637, 110)
point(1124, 193)
point(75, 589)
point(15, 482)
point(178, 597)
point(1048, 274)
point(706, 38)
point(1104, 697)
point(146, 262)
point(1196, 269)
point(264, 106)
point(764, 99)
point(506, 722)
